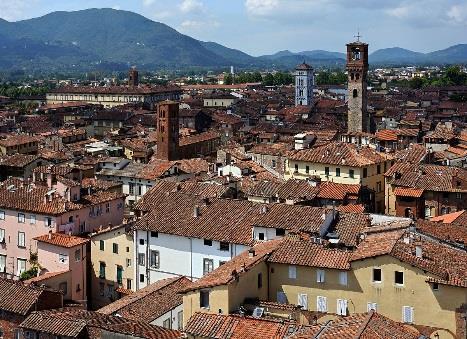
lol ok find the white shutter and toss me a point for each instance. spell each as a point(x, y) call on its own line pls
point(343, 278)
point(292, 272)
point(371, 306)
point(407, 314)
point(342, 306)
point(2, 263)
point(321, 304)
point(303, 301)
point(2, 234)
point(281, 297)
point(320, 276)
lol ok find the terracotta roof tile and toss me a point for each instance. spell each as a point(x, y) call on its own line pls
point(335, 191)
point(62, 240)
point(408, 192)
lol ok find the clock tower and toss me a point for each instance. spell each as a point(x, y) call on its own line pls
point(357, 75)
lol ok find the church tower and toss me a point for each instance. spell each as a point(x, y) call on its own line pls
point(133, 77)
point(167, 130)
point(357, 69)
point(304, 82)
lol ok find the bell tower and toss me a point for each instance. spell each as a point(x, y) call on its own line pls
point(304, 82)
point(357, 69)
point(167, 131)
point(133, 77)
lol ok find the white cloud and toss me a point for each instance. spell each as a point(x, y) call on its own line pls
point(194, 24)
point(398, 12)
point(191, 6)
point(458, 13)
point(12, 10)
point(148, 2)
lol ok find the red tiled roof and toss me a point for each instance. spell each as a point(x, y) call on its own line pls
point(62, 240)
point(386, 135)
point(448, 218)
point(221, 326)
point(335, 191)
point(408, 192)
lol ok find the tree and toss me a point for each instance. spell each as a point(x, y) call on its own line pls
point(268, 80)
point(455, 76)
point(228, 79)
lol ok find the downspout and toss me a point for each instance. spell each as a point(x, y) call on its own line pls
point(147, 259)
point(135, 258)
point(191, 259)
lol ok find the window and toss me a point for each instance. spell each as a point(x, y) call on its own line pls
point(127, 249)
point(2, 215)
point(101, 288)
point(131, 188)
point(260, 280)
point(281, 298)
point(21, 217)
point(141, 278)
point(341, 306)
point(320, 276)
point(260, 236)
point(303, 301)
point(307, 169)
point(399, 278)
point(378, 169)
point(115, 248)
point(208, 266)
point(78, 255)
point(365, 172)
point(2, 235)
point(371, 306)
point(128, 284)
point(154, 234)
point(224, 246)
point(21, 239)
point(207, 242)
point(141, 242)
point(355, 93)
point(296, 168)
point(128, 262)
point(204, 299)
point(101, 245)
point(180, 320)
point(377, 275)
point(48, 222)
point(321, 304)
point(280, 232)
point(21, 264)
point(379, 187)
point(155, 259)
point(166, 323)
point(343, 278)
point(338, 172)
point(292, 272)
point(107, 207)
point(435, 286)
point(119, 275)
point(326, 171)
point(273, 163)
point(2, 263)
point(32, 219)
point(102, 270)
point(141, 259)
point(407, 314)
point(63, 287)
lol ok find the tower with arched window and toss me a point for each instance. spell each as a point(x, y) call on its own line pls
point(304, 82)
point(357, 68)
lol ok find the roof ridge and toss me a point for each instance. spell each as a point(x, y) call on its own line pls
point(365, 324)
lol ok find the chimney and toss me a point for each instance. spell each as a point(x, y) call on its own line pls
point(196, 212)
point(251, 253)
point(264, 209)
point(50, 235)
point(418, 251)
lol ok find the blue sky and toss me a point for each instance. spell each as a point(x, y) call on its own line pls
point(266, 26)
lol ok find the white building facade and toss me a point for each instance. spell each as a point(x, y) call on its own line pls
point(304, 83)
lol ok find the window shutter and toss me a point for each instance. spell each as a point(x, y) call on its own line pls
point(281, 298)
point(407, 314)
point(292, 272)
point(343, 278)
point(321, 304)
point(303, 301)
point(320, 275)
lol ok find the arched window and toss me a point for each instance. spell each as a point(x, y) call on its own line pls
point(351, 76)
point(443, 210)
point(357, 76)
point(355, 93)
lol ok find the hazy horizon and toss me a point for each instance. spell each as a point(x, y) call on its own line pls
point(295, 25)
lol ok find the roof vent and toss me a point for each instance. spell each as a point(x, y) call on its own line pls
point(251, 253)
point(418, 251)
point(196, 212)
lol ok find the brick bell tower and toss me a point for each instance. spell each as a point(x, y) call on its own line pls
point(167, 130)
point(133, 77)
point(357, 69)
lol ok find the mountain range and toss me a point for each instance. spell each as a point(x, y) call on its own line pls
point(113, 40)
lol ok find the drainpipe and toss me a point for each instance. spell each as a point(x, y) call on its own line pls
point(147, 259)
point(191, 259)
